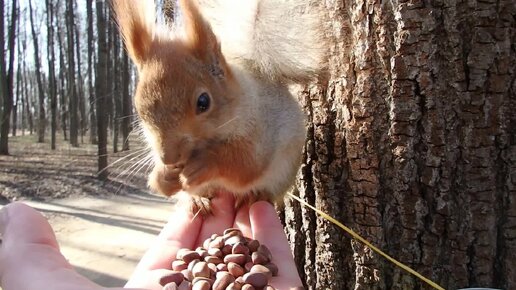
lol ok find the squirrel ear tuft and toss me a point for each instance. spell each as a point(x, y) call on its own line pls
point(201, 40)
point(136, 21)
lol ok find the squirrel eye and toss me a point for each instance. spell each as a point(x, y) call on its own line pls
point(203, 103)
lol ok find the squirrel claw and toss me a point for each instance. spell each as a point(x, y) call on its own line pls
point(201, 205)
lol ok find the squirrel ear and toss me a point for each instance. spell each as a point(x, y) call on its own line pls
point(136, 21)
point(201, 40)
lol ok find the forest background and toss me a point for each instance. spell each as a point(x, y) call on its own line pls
point(411, 141)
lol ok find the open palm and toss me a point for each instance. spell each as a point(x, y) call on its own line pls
point(30, 256)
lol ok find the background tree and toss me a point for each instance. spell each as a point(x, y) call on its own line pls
point(79, 85)
point(51, 72)
point(62, 83)
point(116, 83)
point(101, 90)
point(26, 97)
point(412, 144)
point(7, 75)
point(4, 89)
point(72, 86)
point(18, 93)
point(91, 91)
point(41, 93)
point(127, 101)
point(58, 70)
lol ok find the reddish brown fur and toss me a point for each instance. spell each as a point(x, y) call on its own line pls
point(238, 162)
point(173, 72)
point(137, 35)
point(198, 151)
point(200, 38)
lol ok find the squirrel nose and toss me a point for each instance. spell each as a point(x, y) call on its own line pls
point(174, 150)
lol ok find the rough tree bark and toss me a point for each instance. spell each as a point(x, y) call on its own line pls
point(412, 143)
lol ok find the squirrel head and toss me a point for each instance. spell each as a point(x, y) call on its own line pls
point(186, 91)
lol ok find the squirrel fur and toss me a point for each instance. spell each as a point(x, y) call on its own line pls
point(213, 93)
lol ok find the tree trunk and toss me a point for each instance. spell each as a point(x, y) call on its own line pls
point(412, 144)
point(51, 73)
point(80, 87)
point(72, 82)
point(26, 102)
point(41, 92)
point(7, 78)
point(12, 51)
point(22, 97)
point(110, 101)
point(101, 90)
point(18, 76)
point(93, 124)
point(4, 90)
point(62, 85)
point(127, 104)
point(115, 92)
point(22, 84)
point(16, 101)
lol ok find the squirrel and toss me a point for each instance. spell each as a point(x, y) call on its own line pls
point(213, 94)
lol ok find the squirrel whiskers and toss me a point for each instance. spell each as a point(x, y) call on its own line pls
point(213, 94)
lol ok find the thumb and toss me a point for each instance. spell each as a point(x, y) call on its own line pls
point(20, 223)
point(29, 249)
point(30, 256)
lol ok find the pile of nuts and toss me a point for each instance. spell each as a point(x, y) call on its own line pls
point(227, 262)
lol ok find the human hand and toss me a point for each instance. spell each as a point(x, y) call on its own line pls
point(30, 256)
point(258, 221)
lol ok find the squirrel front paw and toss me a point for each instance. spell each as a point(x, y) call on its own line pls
point(201, 205)
point(198, 170)
point(165, 180)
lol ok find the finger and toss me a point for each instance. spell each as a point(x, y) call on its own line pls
point(29, 254)
point(21, 223)
point(223, 216)
point(268, 229)
point(181, 231)
point(29, 266)
point(242, 221)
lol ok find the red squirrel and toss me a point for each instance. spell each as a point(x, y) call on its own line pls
point(213, 94)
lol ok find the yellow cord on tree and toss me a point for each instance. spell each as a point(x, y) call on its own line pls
point(365, 242)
